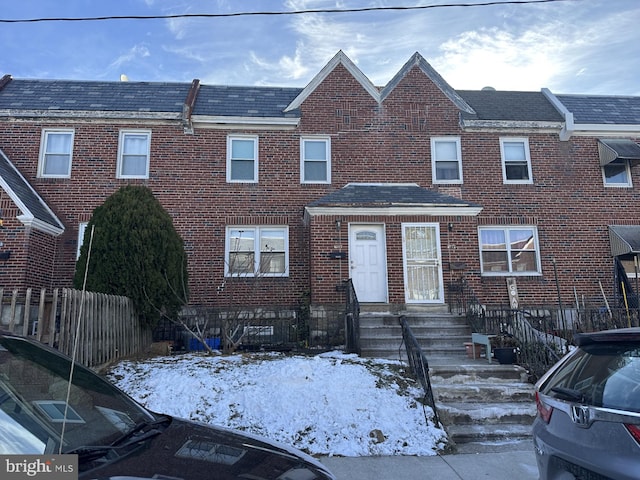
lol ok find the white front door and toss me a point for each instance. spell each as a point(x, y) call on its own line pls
point(422, 264)
point(368, 262)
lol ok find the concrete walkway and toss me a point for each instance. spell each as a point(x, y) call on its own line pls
point(508, 465)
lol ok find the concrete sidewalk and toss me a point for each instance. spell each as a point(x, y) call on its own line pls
point(507, 465)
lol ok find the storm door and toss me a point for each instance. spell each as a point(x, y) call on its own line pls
point(422, 263)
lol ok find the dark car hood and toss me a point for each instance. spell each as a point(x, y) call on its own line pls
point(193, 451)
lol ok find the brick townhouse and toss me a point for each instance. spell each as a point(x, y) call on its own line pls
point(284, 192)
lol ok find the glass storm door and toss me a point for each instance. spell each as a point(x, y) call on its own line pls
point(422, 264)
point(368, 263)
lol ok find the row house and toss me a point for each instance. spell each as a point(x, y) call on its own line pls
point(281, 193)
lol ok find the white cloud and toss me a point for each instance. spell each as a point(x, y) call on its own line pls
point(135, 53)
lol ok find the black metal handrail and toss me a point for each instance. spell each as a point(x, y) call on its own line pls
point(545, 333)
point(419, 366)
point(351, 319)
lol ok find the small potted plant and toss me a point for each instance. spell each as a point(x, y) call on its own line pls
point(505, 348)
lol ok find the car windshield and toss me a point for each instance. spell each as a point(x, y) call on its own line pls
point(602, 375)
point(38, 408)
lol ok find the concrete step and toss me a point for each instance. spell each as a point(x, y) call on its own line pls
point(470, 371)
point(486, 413)
point(466, 435)
point(494, 392)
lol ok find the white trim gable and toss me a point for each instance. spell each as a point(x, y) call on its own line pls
point(339, 59)
point(419, 61)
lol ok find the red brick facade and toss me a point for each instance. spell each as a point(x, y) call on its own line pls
point(371, 142)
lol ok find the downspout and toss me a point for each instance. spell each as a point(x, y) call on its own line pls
point(569, 126)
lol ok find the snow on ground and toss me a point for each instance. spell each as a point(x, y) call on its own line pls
point(327, 404)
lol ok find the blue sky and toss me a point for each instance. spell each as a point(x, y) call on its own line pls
point(573, 46)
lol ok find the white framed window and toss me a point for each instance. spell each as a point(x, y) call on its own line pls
point(509, 250)
point(516, 160)
point(56, 151)
point(242, 158)
point(133, 154)
point(253, 251)
point(82, 227)
point(446, 160)
point(315, 160)
point(617, 174)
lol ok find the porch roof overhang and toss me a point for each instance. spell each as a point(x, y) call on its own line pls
point(624, 239)
point(611, 149)
point(390, 199)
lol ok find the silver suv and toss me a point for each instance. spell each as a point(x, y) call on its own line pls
point(588, 423)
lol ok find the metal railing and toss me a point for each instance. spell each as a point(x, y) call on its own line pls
point(352, 319)
point(419, 366)
point(545, 333)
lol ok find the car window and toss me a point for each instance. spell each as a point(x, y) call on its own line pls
point(38, 407)
point(604, 375)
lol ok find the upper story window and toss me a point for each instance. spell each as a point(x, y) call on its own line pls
point(133, 154)
point(509, 251)
point(516, 160)
point(257, 251)
point(315, 160)
point(617, 173)
point(242, 158)
point(56, 149)
point(446, 160)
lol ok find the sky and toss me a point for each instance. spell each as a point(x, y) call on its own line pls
point(568, 46)
point(327, 404)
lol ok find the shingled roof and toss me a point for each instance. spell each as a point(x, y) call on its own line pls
point(602, 110)
point(387, 195)
point(74, 95)
point(34, 211)
point(509, 106)
point(215, 100)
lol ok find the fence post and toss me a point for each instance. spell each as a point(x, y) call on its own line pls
point(26, 313)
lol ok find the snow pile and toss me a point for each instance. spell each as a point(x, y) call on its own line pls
point(328, 404)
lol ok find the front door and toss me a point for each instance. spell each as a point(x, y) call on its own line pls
point(422, 265)
point(368, 262)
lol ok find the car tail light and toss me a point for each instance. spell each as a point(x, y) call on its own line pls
point(634, 430)
point(545, 411)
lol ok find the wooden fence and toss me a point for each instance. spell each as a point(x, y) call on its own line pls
point(106, 326)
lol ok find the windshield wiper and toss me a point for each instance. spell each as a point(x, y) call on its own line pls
point(87, 453)
point(134, 435)
point(569, 394)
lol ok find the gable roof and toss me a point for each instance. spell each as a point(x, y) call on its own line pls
point(34, 211)
point(419, 61)
point(390, 199)
point(339, 59)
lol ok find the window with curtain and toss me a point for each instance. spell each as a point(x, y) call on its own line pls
point(516, 160)
point(315, 160)
point(56, 149)
point(242, 159)
point(133, 154)
point(446, 160)
point(509, 251)
point(257, 251)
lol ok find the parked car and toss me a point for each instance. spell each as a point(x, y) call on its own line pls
point(113, 436)
point(588, 422)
